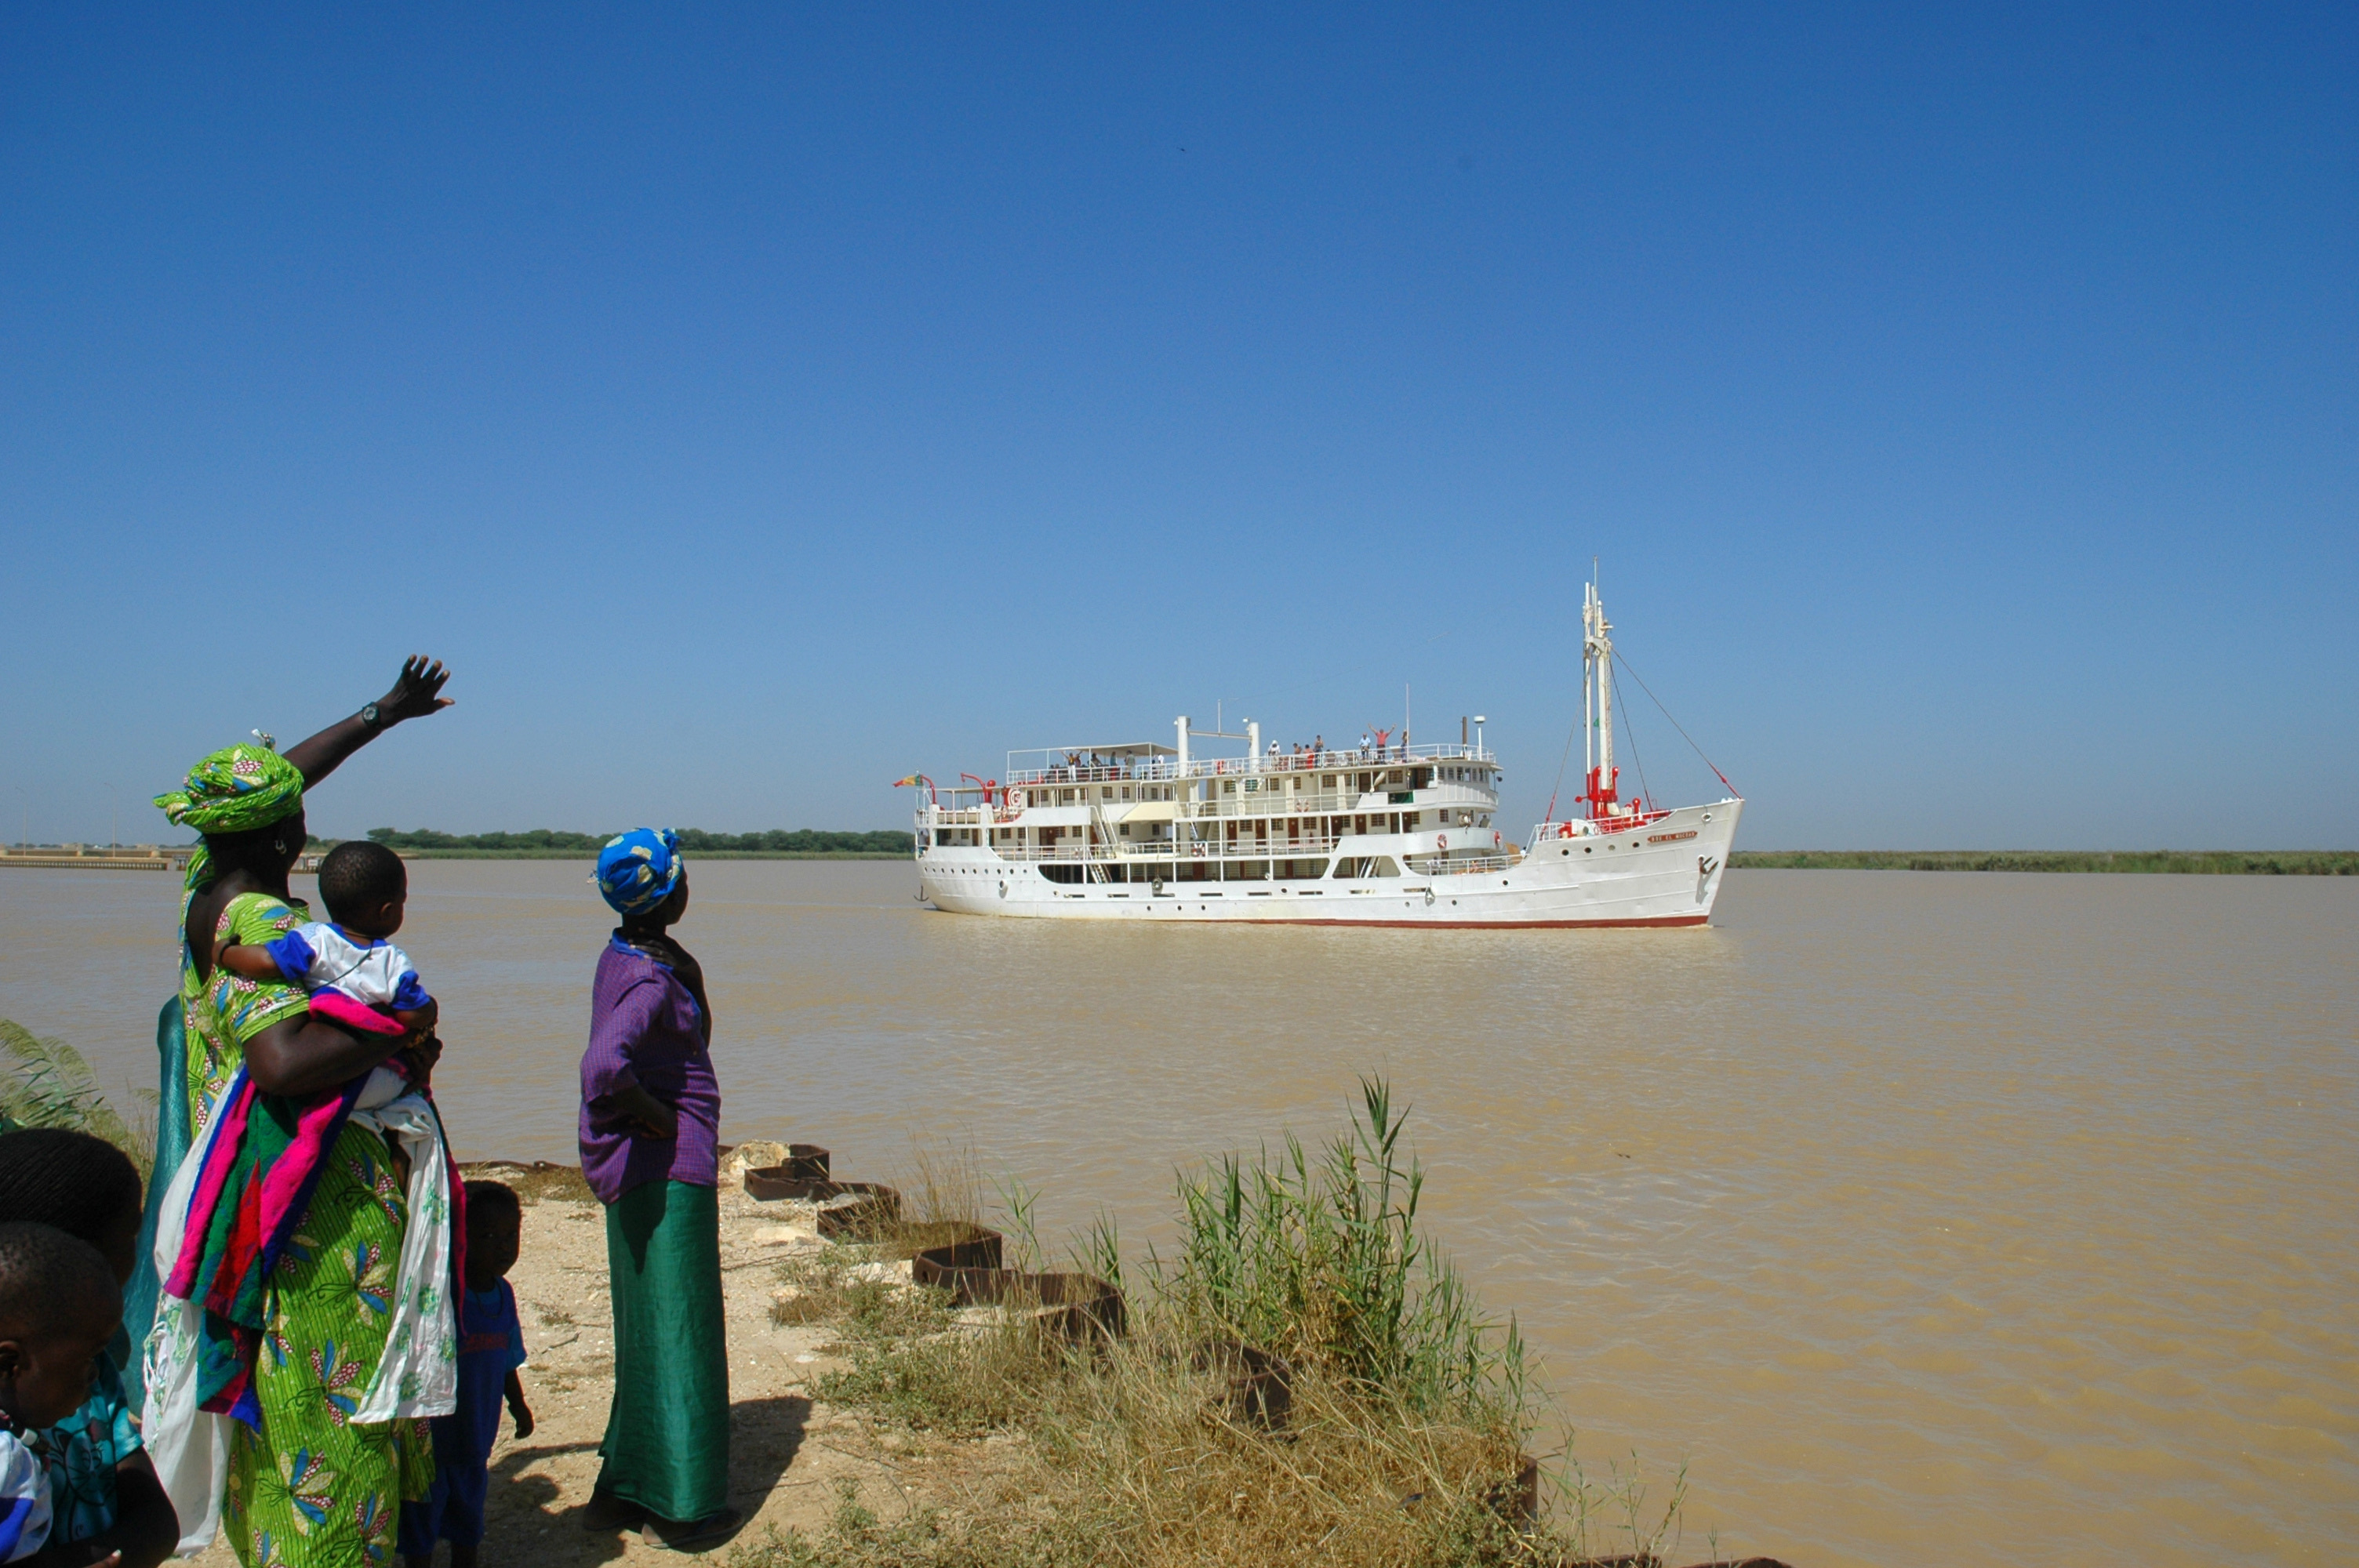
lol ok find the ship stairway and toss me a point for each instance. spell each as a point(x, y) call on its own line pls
point(1104, 831)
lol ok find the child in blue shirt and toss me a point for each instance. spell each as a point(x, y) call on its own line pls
point(490, 1349)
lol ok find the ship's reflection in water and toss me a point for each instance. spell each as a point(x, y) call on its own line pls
point(1929, 1217)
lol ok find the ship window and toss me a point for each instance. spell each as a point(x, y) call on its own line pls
point(1252, 785)
point(1229, 786)
point(1327, 782)
point(1385, 865)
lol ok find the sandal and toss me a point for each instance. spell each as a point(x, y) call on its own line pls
point(680, 1537)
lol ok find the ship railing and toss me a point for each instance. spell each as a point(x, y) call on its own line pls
point(1165, 849)
point(1158, 770)
point(1549, 832)
point(1260, 803)
point(1444, 866)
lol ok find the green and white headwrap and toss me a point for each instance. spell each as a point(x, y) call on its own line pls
point(236, 790)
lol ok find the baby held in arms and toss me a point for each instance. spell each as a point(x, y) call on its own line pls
point(354, 975)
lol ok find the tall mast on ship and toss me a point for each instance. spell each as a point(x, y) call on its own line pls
point(1597, 697)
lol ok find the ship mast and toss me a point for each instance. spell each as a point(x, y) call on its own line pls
point(1597, 699)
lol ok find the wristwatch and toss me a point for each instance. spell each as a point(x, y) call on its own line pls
point(369, 716)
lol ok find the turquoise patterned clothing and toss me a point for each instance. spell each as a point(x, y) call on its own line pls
point(80, 1453)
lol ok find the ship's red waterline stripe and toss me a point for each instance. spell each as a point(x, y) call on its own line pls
point(1659, 920)
point(1509, 924)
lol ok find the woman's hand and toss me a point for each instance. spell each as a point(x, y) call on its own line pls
point(643, 1110)
point(303, 1056)
point(416, 693)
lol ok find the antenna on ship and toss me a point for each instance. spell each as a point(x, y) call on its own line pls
point(1597, 698)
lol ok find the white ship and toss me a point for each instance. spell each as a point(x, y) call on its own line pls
point(1384, 833)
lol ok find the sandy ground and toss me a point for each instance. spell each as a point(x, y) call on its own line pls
point(787, 1455)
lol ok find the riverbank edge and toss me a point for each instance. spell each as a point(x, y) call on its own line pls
point(843, 1457)
point(2187, 862)
point(2177, 862)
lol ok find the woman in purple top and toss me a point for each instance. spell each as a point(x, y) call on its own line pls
point(650, 1150)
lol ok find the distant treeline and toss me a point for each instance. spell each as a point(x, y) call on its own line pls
point(540, 841)
point(2211, 863)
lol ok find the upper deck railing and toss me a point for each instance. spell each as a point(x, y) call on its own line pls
point(1158, 770)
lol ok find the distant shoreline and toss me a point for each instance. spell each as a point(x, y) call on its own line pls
point(588, 855)
point(2183, 862)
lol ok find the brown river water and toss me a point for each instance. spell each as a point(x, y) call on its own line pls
point(1927, 1218)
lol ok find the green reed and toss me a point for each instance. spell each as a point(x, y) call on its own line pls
point(1318, 1258)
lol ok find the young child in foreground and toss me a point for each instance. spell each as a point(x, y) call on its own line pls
point(104, 1499)
point(353, 973)
point(491, 1348)
point(58, 1307)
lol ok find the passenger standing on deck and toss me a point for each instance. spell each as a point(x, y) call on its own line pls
point(650, 1131)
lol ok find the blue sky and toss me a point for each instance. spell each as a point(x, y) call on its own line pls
point(754, 407)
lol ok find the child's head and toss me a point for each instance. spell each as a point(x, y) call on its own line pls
point(364, 886)
point(58, 1307)
point(494, 1233)
point(72, 1182)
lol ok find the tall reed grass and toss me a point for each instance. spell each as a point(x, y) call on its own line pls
point(1401, 1439)
point(1317, 1259)
point(46, 1083)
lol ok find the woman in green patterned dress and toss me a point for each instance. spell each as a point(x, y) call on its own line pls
point(311, 1485)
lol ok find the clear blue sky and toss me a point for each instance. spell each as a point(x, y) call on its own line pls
point(755, 407)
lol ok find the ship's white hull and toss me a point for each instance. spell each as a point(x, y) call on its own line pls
point(1666, 872)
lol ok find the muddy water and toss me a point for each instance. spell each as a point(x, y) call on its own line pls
point(1925, 1217)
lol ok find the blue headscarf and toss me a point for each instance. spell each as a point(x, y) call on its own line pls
point(638, 870)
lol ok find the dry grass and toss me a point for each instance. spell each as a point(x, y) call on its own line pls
point(945, 1183)
point(838, 1286)
point(1132, 1453)
point(1407, 1424)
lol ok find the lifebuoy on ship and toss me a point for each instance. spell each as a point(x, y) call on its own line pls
point(1442, 840)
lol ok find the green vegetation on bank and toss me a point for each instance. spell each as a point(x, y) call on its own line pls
point(548, 843)
point(2202, 863)
point(46, 1083)
point(1303, 1381)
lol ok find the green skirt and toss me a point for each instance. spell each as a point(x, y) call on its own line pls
point(666, 1446)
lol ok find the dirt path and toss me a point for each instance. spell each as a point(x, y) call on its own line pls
point(787, 1457)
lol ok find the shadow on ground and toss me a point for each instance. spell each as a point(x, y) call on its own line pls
point(532, 1516)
